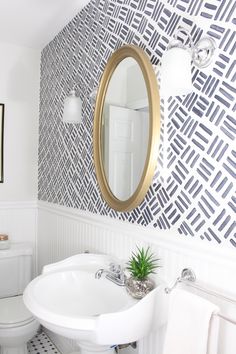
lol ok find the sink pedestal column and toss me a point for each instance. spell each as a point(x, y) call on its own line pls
point(93, 348)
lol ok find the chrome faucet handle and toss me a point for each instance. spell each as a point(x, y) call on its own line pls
point(115, 268)
point(98, 273)
point(118, 271)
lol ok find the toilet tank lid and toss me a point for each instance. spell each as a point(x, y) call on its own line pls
point(17, 249)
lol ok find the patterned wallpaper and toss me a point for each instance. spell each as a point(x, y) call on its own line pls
point(194, 186)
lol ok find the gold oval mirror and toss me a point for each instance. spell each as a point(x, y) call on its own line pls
point(126, 128)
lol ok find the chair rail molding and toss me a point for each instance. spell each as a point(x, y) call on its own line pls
point(31, 204)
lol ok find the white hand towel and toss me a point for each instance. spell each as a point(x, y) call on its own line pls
point(191, 328)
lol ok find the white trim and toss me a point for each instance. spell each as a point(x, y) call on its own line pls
point(169, 239)
point(138, 104)
point(36, 240)
point(19, 204)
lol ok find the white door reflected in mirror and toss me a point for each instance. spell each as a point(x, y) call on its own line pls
point(126, 134)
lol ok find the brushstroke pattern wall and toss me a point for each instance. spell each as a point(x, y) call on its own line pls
point(194, 187)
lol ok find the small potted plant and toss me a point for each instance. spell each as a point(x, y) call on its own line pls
point(141, 265)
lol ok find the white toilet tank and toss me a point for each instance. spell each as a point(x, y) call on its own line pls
point(15, 269)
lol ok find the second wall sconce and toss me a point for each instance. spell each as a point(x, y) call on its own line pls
point(72, 108)
point(176, 78)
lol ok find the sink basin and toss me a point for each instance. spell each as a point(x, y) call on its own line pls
point(68, 300)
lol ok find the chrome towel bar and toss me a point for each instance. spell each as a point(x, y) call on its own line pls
point(188, 278)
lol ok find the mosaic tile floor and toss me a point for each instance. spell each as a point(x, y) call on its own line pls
point(41, 344)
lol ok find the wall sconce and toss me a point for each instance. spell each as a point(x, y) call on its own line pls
point(72, 108)
point(176, 78)
point(93, 94)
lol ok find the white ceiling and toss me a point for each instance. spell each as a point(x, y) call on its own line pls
point(33, 23)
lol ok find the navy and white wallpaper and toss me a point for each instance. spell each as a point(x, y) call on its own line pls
point(194, 188)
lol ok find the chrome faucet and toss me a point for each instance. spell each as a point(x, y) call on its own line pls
point(115, 274)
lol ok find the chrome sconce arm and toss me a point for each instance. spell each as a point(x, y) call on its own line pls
point(201, 53)
point(93, 94)
point(176, 77)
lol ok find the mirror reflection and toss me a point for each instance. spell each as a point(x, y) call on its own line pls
point(125, 129)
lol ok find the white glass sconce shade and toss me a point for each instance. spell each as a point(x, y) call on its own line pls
point(72, 109)
point(176, 63)
point(176, 78)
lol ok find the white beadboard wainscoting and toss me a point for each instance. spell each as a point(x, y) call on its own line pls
point(63, 232)
point(18, 219)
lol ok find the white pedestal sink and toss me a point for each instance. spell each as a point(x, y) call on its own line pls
point(68, 300)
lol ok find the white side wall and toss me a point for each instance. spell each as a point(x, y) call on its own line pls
point(19, 91)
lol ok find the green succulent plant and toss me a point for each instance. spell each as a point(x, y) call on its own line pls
point(142, 263)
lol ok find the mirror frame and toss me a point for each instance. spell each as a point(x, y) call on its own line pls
point(154, 128)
